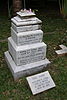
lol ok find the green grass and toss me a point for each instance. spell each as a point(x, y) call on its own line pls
point(4, 27)
point(54, 34)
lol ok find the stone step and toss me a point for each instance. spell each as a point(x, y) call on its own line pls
point(27, 69)
point(17, 18)
point(26, 23)
point(28, 53)
point(25, 28)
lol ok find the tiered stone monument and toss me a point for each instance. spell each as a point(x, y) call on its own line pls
point(27, 52)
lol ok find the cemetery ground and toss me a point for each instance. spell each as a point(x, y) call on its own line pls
point(55, 33)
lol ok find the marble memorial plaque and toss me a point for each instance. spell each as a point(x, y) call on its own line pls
point(40, 82)
point(63, 50)
point(24, 38)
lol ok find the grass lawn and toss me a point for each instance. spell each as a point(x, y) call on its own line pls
point(55, 33)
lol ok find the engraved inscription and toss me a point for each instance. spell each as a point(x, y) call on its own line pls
point(40, 82)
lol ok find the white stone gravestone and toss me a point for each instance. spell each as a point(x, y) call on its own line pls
point(63, 50)
point(40, 82)
point(27, 52)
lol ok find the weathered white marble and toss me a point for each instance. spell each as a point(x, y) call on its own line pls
point(18, 19)
point(27, 53)
point(25, 13)
point(62, 46)
point(25, 28)
point(26, 23)
point(24, 70)
point(63, 50)
point(28, 37)
point(40, 82)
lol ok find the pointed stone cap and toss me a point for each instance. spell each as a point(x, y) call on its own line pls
point(25, 13)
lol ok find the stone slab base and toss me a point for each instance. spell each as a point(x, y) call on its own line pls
point(24, 70)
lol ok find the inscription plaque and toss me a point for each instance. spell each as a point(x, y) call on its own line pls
point(40, 82)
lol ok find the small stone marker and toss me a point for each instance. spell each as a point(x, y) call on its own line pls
point(62, 46)
point(63, 50)
point(40, 82)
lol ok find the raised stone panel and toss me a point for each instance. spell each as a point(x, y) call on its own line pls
point(28, 53)
point(29, 37)
point(25, 28)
